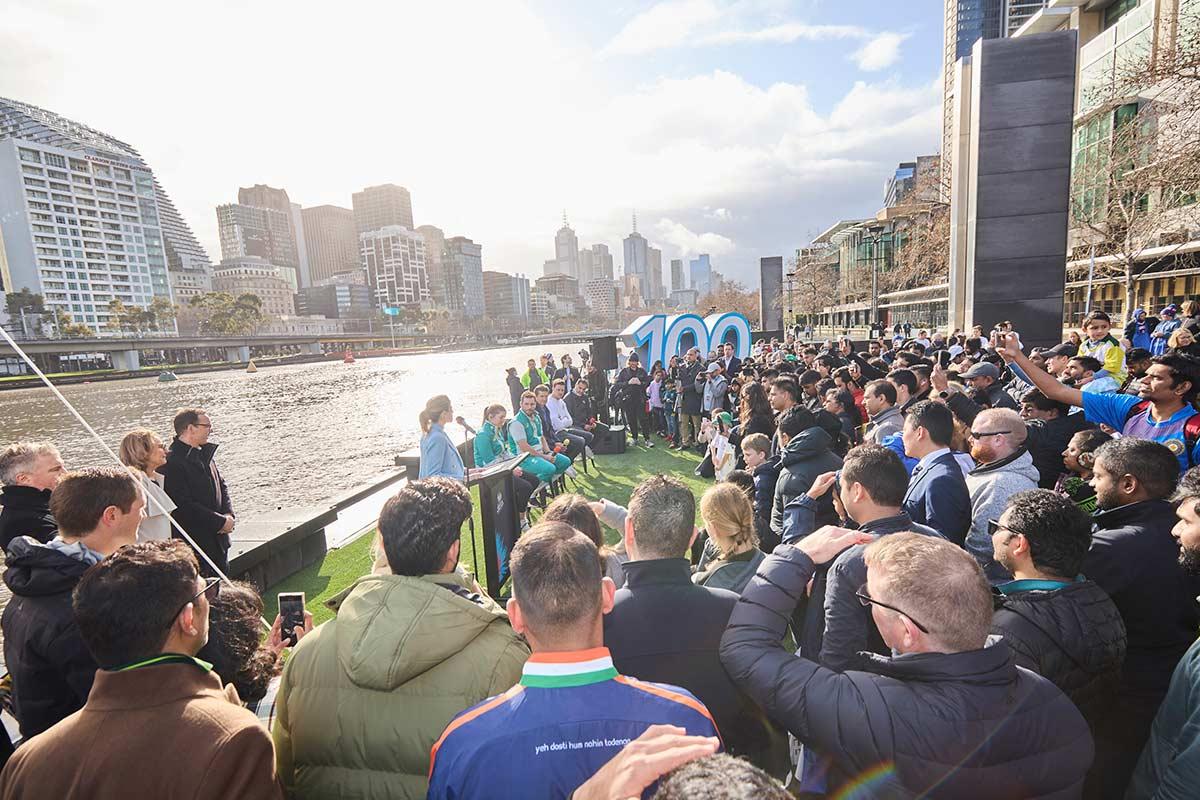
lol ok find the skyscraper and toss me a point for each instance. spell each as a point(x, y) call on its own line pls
point(435, 250)
point(637, 259)
point(331, 241)
point(702, 273)
point(506, 297)
point(262, 196)
point(259, 231)
point(394, 259)
point(462, 262)
point(677, 274)
point(966, 22)
point(377, 207)
point(566, 250)
point(602, 262)
point(654, 273)
point(83, 219)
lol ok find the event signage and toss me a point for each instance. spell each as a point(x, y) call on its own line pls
point(657, 337)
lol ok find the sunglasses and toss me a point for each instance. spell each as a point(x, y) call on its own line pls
point(983, 435)
point(995, 527)
point(211, 591)
point(867, 601)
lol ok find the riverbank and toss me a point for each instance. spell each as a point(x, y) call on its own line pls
point(615, 480)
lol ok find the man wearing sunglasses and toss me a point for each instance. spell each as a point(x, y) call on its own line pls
point(1005, 467)
point(950, 713)
point(158, 722)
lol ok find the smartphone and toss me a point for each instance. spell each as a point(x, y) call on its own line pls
point(944, 359)
point(291, 610)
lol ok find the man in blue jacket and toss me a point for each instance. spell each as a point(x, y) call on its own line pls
point(1170, 765)
point(572, 710)
point(949, 716)
point(937, 491)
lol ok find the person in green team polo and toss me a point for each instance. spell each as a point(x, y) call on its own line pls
point(526, 431)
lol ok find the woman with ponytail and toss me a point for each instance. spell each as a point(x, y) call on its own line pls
point(439, 456)
point(493, 444)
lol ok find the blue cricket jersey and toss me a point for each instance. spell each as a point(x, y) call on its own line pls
point(1113, 410)
point(569, 715)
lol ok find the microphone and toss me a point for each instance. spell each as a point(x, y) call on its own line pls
point(463, 423)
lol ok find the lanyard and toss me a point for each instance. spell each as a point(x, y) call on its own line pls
point(166, 658)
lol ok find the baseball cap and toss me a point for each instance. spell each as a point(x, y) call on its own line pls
point(982, 370)
point(725, 418)
point(713, 367)
point(1065, 349)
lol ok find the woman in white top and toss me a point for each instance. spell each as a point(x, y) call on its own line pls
point(144, 451)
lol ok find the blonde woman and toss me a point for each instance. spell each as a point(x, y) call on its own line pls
point(1184, 343)
point(731, 555)
point(144, 451)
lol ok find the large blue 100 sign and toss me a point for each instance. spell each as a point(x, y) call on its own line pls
point(657, 337)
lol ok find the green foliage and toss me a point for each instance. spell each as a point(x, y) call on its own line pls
point(24, 300)
point(222, 314)
point(155, 317)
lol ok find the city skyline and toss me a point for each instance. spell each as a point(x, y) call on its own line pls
point(734, 137)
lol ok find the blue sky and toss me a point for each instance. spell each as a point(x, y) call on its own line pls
point(736, 128)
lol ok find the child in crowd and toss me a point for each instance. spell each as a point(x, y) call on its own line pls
point(1079, 458)
point(756, 451)
point(670, 397)
point(719, 449)
point(655, 399)
point(1098, 343)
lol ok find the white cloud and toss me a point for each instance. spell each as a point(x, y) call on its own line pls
point(689, 243)
point(880, 52)
point(787, 33)
point(667, 24)
point(719, 213)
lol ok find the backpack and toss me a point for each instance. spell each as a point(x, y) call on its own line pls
point(1191, 428)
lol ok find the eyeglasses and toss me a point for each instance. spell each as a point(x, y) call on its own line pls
point(202, 424)
point(867, 601)
point(211, 591)
point(995, 527)
point(983, 435)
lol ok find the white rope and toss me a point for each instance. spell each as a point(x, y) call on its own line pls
point(133, 472)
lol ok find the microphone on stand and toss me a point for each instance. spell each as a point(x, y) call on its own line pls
point(467, 427)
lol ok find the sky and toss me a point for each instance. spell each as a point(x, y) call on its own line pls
point(740, 129)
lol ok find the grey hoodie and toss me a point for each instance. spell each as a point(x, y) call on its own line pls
point(990, 486)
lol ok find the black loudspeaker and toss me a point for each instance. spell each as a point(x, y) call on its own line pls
point(604, 352)
point(609, 442)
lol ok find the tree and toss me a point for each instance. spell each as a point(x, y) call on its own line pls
point(812, 284)
point(921, 237)
point(223, 315)
point(24, 300)
point(1136, 173)
point(69, 329)
point(730, 296)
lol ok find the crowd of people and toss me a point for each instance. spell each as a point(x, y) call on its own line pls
point(938, 566)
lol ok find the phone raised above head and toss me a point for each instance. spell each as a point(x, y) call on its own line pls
point(291, 612)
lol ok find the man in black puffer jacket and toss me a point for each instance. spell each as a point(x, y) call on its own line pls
point(807, 451)
point(29, 472)
point(98, 511)
point(1064, 628)
point(952, 716)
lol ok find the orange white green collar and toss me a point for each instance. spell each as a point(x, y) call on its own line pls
point(567, 669)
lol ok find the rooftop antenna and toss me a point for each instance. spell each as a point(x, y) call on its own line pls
point(635, 222)
point(565, 225)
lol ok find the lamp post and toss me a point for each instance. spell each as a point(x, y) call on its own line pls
point(876, 236)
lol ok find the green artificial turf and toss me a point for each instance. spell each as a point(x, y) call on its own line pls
point(615, 479)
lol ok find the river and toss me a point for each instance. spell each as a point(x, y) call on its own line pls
point(296, 434)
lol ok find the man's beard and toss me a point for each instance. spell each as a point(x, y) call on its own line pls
point(1189, 559)
point(982, 454)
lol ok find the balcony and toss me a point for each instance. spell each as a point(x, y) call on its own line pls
point(1048, 19)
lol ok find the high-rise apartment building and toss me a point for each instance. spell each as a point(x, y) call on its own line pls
point(566, 250)
point(506, 298)
point(602, 297)
point(335, 301)
point(262, 232)
point(637, 259)
point(331, 241)
point(966, 22)
point(677, 274)
point(382, 206)
point(262, 196)
point(602, 262)
point(394, 260)
point(435, 249)
point(83, 220)
point(654, 273)
point(253, 275)
point(462, 264)
point(702, 274)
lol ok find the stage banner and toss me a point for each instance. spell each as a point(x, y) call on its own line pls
point(657, 337)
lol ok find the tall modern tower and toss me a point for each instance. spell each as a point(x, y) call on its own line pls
point(259, 231)
point(702, 274)
point(654, 273)
point(677, 274)
point(602, 262)
point(462, 262)
point(377, 207)
point(331, 241)
point(566, 250)
point(435, 254)
point(637, 260)
point(394, 260)
point(966, 22)
point(84, 221)
point(262, 196)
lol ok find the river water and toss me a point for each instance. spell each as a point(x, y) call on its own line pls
point(290, 435)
